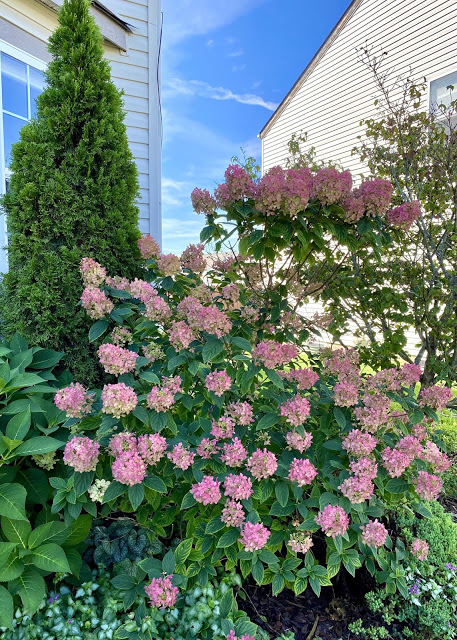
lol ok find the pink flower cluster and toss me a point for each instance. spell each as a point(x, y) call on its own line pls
point(231, 293)
point(192, 258)
point(435, 397)
point(181, 457)
point(305, 378)
point(207, 491)
point(218, 382)
point(254, 536)
point(439, 460)
point(331, 186)
point(428, 486)
point(74, 400)
point(240, 412)
point(142, 290)
point(152, 447)
point(224, 428)
point(203, 201)
point(288, 190)
point(404, 215)
point(374, 534)
point(124, 441)
point(168, 264)
point(262, 464)
point(232, 636)
point(238, 185)
point(374, 412)
point(116, 360)
point(273, 354)
point(118, 399)
point(180, 335)
point(148, 247)
point(344, 363)
point(409, 374)
point(419, 548)
point(346, 394)
point(376, 195)
point(161, 592)
point(395, 461)
point(357, 489)
point(232, 514)
point(238, 487)
point(300, 542)
point(295, 410)
point(129, 468)
point(207, 448)
point(132, 455)
point(234, 453)
point(121, 336)
point(357, 443)
point(200, 318)
point(93, 274)
point(333, 520)
point(297, 441)
point(96, 302)
point(81, 453)
point(161, 399)
point(157, 310)
point(302, 472)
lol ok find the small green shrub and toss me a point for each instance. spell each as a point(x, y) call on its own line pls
point(446, 431)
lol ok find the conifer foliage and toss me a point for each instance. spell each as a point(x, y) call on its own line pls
point(72, 194)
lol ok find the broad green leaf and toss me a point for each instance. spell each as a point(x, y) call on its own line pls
point(212, 349)
point(79, 530)
point(74, 560)
point(214, 526)
point(19, 425)
point(6, 548)
point(168, 563)
point(155, 483)
point(51, 557)
point(6, 608)
point(11, 569)
point(83, 482)
point(267, 421)
point(183, 550)
point(149, 376)
point(228, 538)
point(258, 572)
point(24, 380)
point(278, 584)
point(226, 603)
point(31, 588)
point(282, 493)
point(48, 532)
point(12, 501)
point(35, 482)
point(123, 582)
point(268, 556)
point(114, 490)
point(275, 378)
point(339, 417)
point(38, 445)
point(46, 359)
point(136, 495)
point(242, 343)
point(397, 485)
point(16, 531)
point(98, 329)
point(142, 415)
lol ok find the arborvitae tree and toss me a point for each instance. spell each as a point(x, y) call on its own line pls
point(72, 194)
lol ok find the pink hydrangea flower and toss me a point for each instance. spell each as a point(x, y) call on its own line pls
point(207, 491)
point(297, 190)
point(305, 378)
point(214, 321)
point(203, 201)
point(181, 457)
point(233, 514)
point(364, 467)
point(129, 468)
point(374, 534)
point(142, 290)
point(395, 461)
point(409, 374)
point(160, 399)
point(207, 448)
point(93, 274)
point(300, 542)
point(333, 520)
point(118, 399)
point(121, 336)
point(231, 293)
point(273, 354)
point(254, 536)
point(353, 207)
point(435, 457)
point(161, 592)
point(346, 394)
point(180, 335)
point(419, 549)
point(240, 412)
point(96, 302)
point(410, 446)
point(168, 264)
point(299, 442)
point(116, 360)
point(118, 283)
point(238, 185)
point(234, 453)
point(238, 487)
point(218, 382)
point(152, 447)
point(358, 443)
point(376, 195)
point(192, 258)
point(122, 442)
point(357, 489)
point(295, 410)
point(231, 636)
point(262, 464)
point(331, 186)
point(157, 310)
point(223, 428)
point(74, 400)
point(435, 397)
point(344, 363)
point(271, 191)
point(404, 215)
point(302, 472)
point(374, 412)
point(148, 247)
point(81, 453)
point(428, 486)
point(172, 384)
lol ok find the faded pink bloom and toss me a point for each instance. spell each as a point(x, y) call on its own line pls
point(207, 491)
point(181, 457)
point(409, 374)
point(419, 548)
point(234, 453)
point(161, 592)
point(346, 394)
point(157, 310)
point(118, 399)
point(172, 384)
point(333, 521)
point(231, 636)
point(358, 443)
point(180, 335)
point(300, 542)
point(214, 321)
point(404, 215)
point(428, 486)
point(410, 446)
point(435, 457)
point(93, 274)
point(207, 448)
point(81, 453)
point(233, 514)
point(302, 472)
point(254, 536)
point(238, 487)
point(262, 464)
point(121, 336)
point(168, 264)
point(395, 461)
point(357, 489)
point(74, 400)
point(374, 533)
point(376, 195)
point(231, 293)
point(160, 399)
point(344, 363)
point(354, 207)
point(435, 397)
point(129, 468)
point(218, 382)
point(240, 412)
point(271, 191)
point(192, 258)
point(296, 441)
point(118, 283)
point(374, 412)
point(331, 186)
point(364, 467)
point(96, 302)
point(142, 290)
point(121, 442)
point(152, 447)
point(238, 185)
point(203, 201)
point(224, 428)
point(273, 354)
point(148, 247)
point(116, 360)
point(295, 410)
point(305, 378)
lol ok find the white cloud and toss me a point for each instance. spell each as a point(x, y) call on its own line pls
point(236, 54)
point(177, 231)
point(177, 86)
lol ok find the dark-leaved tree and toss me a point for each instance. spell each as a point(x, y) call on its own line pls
point(72, 194)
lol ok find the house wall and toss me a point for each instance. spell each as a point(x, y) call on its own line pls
point(27, 24)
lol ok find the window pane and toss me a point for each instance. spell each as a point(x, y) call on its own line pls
point(36, 87)
point(11, 133)
point(14, 85)
point(439, 94)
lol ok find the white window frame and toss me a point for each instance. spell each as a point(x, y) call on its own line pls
point(436, 75)
point(32, 61)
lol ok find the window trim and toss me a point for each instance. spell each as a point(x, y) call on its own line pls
point(436, 75)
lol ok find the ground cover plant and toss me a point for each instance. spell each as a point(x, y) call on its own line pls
point(212, 431)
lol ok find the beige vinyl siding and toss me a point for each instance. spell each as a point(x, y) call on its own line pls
point(130, 72)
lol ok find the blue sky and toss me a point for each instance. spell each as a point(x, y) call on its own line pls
point(226, 65)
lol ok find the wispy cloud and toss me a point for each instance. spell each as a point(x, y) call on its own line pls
point(177, 86)
point(236, 54)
